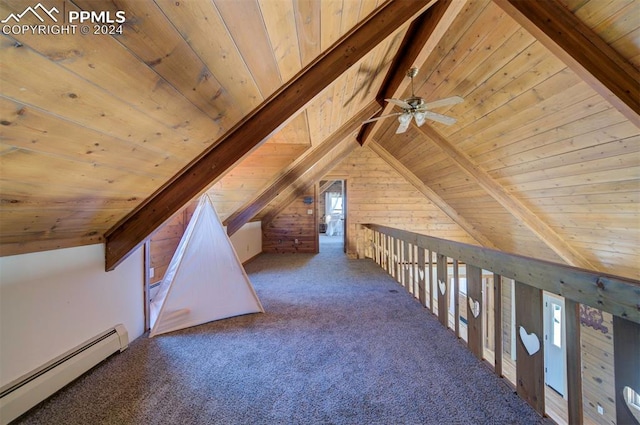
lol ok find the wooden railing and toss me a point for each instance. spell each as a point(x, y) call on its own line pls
point(417, 262)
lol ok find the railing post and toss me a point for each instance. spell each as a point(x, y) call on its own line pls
point(443, 311)
point(529, 346)
point(393, 257)
point(398, 250)
point(430, 281)
point(387, 248)
point(456, 298)
point(422, 290)
point(414, 263)
point(626, 355)
point(405, 263)
point(474, 310)
point(574, 362)
point(497, 322)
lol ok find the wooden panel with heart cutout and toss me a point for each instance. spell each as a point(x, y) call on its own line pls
point(443, 310)
point(422, 290)
point(529, 346)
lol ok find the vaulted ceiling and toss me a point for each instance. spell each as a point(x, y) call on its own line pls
point(105, 136)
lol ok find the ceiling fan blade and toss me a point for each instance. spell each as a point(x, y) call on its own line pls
point(400, 103)
point(405, 120)
point(440, 118)
point(443, 102)
point(381, 117)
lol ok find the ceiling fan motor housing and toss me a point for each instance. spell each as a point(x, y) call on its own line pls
point(415, 102)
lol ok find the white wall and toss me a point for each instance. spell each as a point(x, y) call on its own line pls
point(53, 301)
point(247, 241)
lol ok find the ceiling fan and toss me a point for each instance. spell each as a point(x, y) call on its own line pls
point(416, 108)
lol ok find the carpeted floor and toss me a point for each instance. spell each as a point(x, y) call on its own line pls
point(340, 343)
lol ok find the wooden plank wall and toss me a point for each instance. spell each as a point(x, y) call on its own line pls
point(165, 240)
point(376, 193)
point(291, 224)
point(596, 335)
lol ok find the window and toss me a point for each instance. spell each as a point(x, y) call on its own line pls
point(556, 329)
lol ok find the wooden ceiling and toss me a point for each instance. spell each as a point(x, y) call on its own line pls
point(542, 160)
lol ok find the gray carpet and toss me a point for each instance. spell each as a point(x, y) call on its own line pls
point(340, 343)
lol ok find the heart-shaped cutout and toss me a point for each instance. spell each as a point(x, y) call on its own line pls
point(421, 273)
point(632, 399)
point(442, 286)
point(530, 341)
point(395, 258)
point(474, 306)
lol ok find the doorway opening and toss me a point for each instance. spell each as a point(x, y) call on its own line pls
point(332, 213)
point(554, 343)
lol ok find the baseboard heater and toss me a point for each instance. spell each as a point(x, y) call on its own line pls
point(25, 392)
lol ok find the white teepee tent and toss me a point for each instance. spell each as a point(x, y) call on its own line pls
point(205, 280)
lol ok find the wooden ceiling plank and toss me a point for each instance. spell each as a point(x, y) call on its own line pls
point(36, 243)
point(489, 31)
point(168, 54)
point(330, 20)
point(131, 232)
point(200, 23)
point(252, 208)
point(279, 18)
point(244, 22)
point(80, 101)
point(367, 6)
point(521, 63)
point(34, 130)
point(590, 57)
point(579, 128)
point(371, 74)
point(509, 202)
point(108, 64)
point(307, 14)
point(421, 39)
point(431, 195)
point(310, 178)
point(350, 15)
point(617, 154)
point(27, 167)
point(551, 98)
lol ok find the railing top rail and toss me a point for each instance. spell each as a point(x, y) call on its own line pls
point(617, 295)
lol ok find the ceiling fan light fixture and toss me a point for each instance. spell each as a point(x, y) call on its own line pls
point(420, 118)
point(404, 118)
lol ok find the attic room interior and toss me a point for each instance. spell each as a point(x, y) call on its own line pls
point(479, 159)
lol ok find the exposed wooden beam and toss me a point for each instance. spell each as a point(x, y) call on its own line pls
point(431, 195)
point(529, 366)
point(421, 39)
point(255, 128)
point(252, 208)
point(342, 150)
point(541, 229)
point(582, 50)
